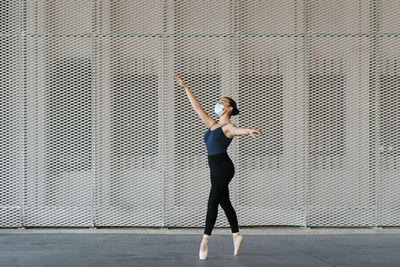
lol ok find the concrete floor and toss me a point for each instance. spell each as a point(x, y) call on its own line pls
point(32, 247)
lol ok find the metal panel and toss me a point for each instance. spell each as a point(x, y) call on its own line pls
point(388, 125)
point(143, 17)
point(270, 169)
point(341, 192)
point(130, 136)
point(386, 17)
point(385, 124)
point(11, 131)
point(58, 186)
point(193, 17)
point(12, 115)
point(130, 115)
point(263, 18)
point(337, 17)
point(59, 173)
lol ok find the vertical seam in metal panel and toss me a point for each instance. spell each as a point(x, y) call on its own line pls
point(359, 57)
point(376, 110)
point(163, 224)
point(93, 103)
point(359, 100)
point(305, 81)
point(296, 90)
point(23, 87)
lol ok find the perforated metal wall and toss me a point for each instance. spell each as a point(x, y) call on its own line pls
point(96, 132)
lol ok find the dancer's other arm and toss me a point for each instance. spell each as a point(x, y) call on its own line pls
point(234, 130)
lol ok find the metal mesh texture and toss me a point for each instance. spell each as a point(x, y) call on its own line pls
point(96, 132)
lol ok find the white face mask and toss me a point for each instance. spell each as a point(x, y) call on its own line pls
point(219, 109)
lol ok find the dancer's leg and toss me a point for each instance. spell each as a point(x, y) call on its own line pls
point(212, 210)
point(216, 192)
point(229, 210)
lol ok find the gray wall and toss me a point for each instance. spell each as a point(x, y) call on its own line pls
point(96, 132)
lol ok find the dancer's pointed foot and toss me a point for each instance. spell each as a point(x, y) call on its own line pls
point(237, 242)
point(204, 248)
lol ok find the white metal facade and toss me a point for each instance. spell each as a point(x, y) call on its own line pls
point(96, 132)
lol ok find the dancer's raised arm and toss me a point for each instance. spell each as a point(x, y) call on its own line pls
point(195, 103)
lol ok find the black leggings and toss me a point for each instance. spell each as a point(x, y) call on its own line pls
point(222, 171)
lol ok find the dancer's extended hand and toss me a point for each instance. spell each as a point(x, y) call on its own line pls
point(252, 131)
point(179, 80)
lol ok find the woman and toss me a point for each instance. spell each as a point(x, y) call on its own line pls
point(217, 139)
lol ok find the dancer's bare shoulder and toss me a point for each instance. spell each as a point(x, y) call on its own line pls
point(230, 130)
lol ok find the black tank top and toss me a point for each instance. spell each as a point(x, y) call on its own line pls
point(216, 141)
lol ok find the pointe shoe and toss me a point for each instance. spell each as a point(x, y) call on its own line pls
point(203, 254)
point(237, 244)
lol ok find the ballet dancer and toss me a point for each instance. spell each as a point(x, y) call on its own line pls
point(221, 166)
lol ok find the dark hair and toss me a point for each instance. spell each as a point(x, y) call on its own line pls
point(232, 103)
